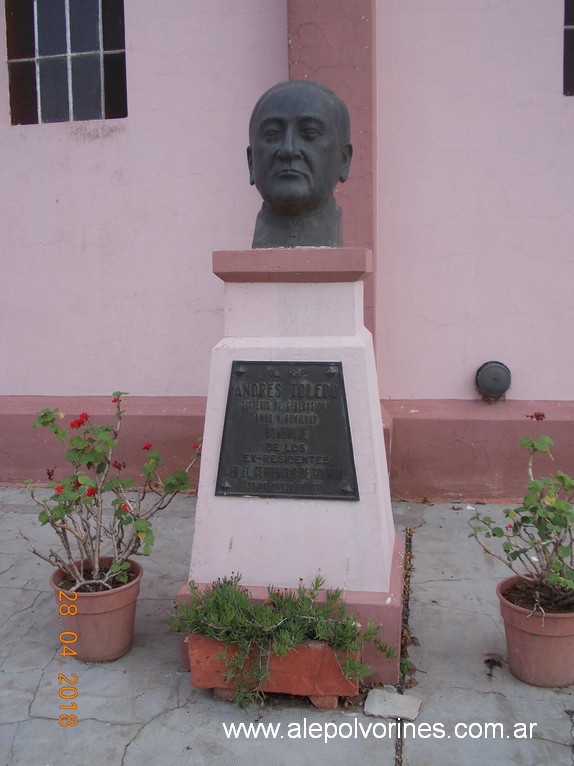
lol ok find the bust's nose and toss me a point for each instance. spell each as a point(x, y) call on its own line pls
point(289, 147)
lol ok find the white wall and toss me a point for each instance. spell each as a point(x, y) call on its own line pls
point(476, 198)
point(108, 227)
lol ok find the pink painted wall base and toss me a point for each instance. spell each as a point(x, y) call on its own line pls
point(436, 449)
point(171, 424)
point(468, 450)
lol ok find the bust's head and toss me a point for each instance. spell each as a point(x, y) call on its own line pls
point(299, 146)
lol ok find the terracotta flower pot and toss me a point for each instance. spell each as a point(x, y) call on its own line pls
point(311, 669)
point(540, 650)
point(104, 622)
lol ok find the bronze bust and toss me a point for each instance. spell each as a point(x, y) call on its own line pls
point(299, 150)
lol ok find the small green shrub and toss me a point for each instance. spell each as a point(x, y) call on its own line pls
point(225, 611)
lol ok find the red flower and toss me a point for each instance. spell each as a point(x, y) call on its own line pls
point(125, 507)
point(116, 399)
point(50, 473)
point(509, 526)
point(147, 445)
point(118, 466)
point(91, 492)
point(536, 416)
point(195, 446)
point(59, 490)
point(79, 422)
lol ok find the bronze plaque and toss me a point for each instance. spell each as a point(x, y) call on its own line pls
point(286, 432)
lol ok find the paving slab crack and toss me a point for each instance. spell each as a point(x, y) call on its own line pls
point(143, 726)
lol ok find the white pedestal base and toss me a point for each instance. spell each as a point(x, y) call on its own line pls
point(302, 305)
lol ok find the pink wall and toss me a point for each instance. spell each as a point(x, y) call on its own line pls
point(475, 198)
point(334, 43)
point(108, 227)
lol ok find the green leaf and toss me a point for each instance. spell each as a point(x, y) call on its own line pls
point(148, 540)
point(120, 567)
point(539, 444)
point(566, 481)
point(176, 482)
point(45, 417)
point(153, 462)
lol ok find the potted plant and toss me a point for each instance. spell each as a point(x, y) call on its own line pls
point(294, 642)
point(537, 601)
point(101, 518)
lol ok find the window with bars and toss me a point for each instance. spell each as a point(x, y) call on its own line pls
point(66, 60)
point(569, 48)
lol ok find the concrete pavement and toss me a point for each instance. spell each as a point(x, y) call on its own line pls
point(142, 710)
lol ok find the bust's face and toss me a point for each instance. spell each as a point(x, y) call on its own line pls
point(296, 157)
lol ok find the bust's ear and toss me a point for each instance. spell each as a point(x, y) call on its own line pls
point(250, 164)
point(346, 155)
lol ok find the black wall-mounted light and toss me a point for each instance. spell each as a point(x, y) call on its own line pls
point(493, 379)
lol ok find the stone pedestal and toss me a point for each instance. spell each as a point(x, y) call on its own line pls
point(303, 305)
